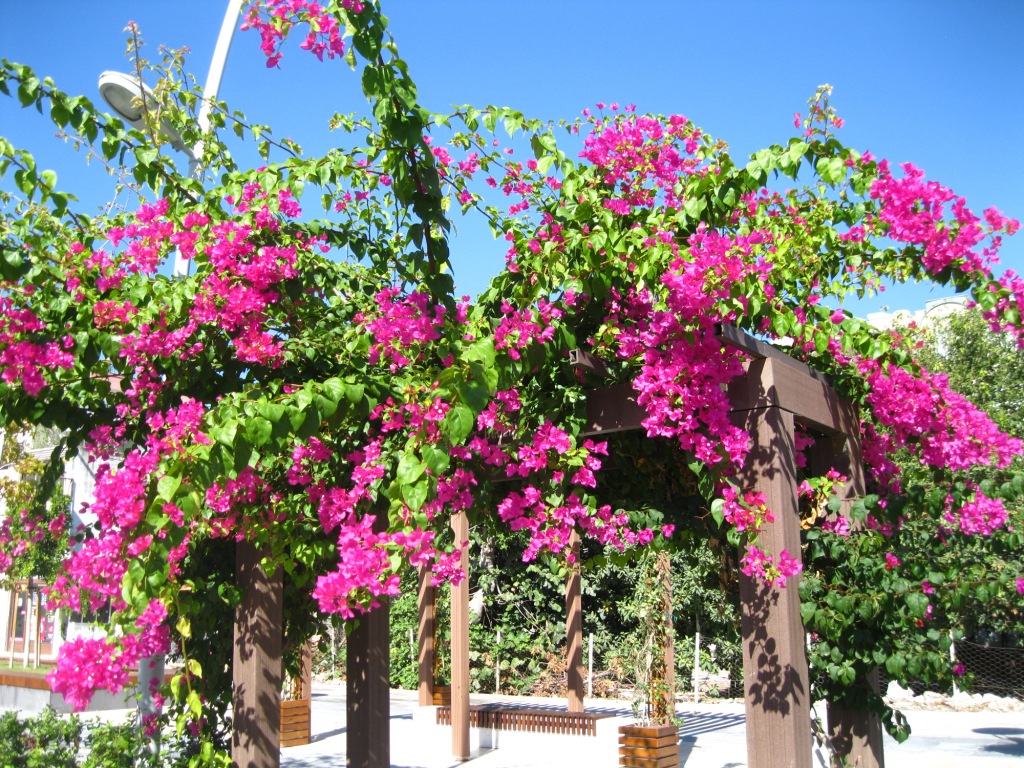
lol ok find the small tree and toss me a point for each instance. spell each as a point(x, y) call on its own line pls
point(34, 529)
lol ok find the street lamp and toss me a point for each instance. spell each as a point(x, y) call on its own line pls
point(129, 98)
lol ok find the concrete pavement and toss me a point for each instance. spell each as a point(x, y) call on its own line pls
point(712, 736)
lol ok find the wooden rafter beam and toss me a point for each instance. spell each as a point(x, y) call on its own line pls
point(772, 379)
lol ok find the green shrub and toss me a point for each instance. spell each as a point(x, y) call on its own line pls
point(52, 741)
point(112, 745)
point(48, 740)
point(12, 741)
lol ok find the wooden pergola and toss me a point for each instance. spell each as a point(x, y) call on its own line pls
point(774, 394)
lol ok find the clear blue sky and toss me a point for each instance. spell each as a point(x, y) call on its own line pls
point(934, 82)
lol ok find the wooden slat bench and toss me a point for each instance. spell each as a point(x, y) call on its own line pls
point(533, 720)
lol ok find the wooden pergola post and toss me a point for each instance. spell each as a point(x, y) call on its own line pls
point(856, 734)
point(307, 670)
point(257, 669)
point(460, 644)
point(574, 628)
point(368, 686)
point(425, 660)
point(368, 692)
point(776, 683)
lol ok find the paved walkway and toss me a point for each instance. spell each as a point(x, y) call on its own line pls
point(712, 736)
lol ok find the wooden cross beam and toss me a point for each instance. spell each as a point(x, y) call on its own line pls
point(773, 379)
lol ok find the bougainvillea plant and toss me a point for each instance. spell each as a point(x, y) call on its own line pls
point(314, 385)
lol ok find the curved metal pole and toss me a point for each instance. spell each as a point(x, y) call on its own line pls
point(213, 80)
point(214, 77)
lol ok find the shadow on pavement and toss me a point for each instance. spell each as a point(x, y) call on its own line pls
point(1012, 744)
point(326, 735)
point(696, 723)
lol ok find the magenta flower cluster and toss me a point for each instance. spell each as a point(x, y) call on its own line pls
point(922, 413)
point(642, 159)
point(274, 18)
point(26, 352)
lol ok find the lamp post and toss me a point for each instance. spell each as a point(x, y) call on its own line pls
point(130, 98)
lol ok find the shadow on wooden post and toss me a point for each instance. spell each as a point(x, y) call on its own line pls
point(856, 734)
point(368, 693)
point(256, 670)
point(776, 681)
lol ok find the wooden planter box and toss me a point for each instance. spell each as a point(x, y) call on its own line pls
point(442, 696)
point(653, 746)
point(295, 723)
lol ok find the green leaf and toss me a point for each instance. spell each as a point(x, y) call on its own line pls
point(12, 265)
point(59, 114)
point(354, 393)
point(27, 91)
point(272, 412)
point(225, 434)
point(821, 340)
point(176, 682)
point(136, 571)
point(410, 468)
point(296, 418)
point(481, 351)
point(60, 202)
point(831, 169)
point(766, 159)
point(458, 424)
point(918, 604)
point(436, 459)
point(242, 453)
point(694, 206)
point(474, 394)
point(797, 149)
point(511, 124)
point(258, 430)
point(416, 494)
point(895, 665)
point(194, 703)
point(718, 510)
point(167, 486)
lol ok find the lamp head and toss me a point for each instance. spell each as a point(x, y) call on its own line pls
point(126, 95)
